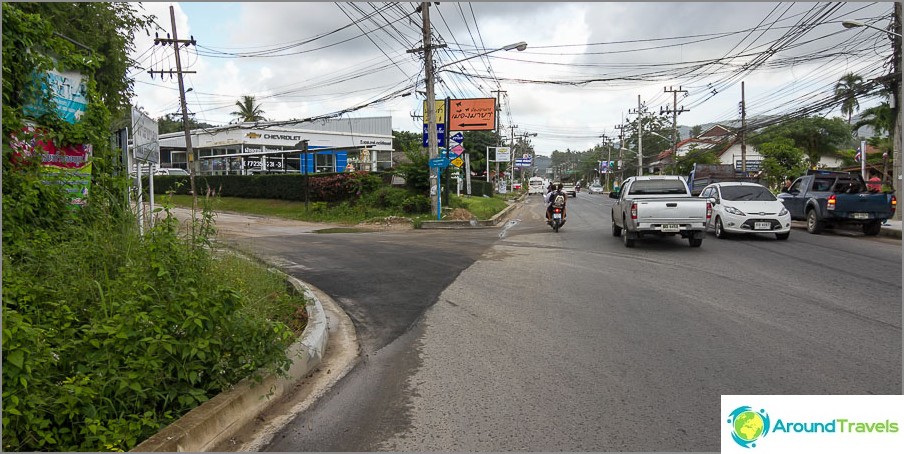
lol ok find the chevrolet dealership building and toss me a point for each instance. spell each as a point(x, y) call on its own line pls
point(334, 145)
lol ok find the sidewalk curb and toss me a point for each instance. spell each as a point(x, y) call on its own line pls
point(217, 419)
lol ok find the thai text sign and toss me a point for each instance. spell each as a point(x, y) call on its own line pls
point(65, 165)
point(440, 111)
point(144, 137)
point(477, 114)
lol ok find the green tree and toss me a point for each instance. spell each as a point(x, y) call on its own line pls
point(816, 136)
point(108, 30)
point(248, 112)
point(846, 90)
point(696, 130)
point(172, 122)
point(684, 164)
point(781, 159)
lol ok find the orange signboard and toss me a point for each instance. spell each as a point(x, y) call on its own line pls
point(478, 114)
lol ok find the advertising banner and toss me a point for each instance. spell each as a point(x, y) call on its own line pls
point(67, 165)
point(68, 92)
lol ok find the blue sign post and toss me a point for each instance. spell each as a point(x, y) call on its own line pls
point(439, 164)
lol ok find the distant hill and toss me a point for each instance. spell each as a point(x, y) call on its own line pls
point(685, 131)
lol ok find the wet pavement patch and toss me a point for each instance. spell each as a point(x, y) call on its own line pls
point(342, 230)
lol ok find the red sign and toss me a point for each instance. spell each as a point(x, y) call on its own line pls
point(477, 114)
point(33, 141)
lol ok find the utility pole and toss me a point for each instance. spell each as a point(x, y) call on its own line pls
point(898, 93)
point(743, 106)
point(498, 135)
point(621, 149)
point(639, 112)
point(432, 150)
point(189, 152)
point(675, 111)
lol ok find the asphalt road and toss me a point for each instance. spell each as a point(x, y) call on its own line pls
point(539, 341)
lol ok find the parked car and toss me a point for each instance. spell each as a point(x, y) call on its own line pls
point(658, 205)
point(596, 189)
point(825, 199)
point(745, 208)
point(171, 171)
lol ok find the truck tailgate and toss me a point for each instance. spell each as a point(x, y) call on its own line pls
point(864, 202)
point(666, 210)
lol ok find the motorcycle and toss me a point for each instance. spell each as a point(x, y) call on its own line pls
point(557, 215)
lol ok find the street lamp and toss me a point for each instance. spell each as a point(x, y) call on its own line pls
point(896, 94)
point(432, 150)
point(856, 23)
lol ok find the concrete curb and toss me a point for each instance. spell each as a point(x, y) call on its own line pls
point(217, 419)
point(492, 222)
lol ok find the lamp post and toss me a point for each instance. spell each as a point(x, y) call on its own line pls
point(897, 95)
point(432, 150)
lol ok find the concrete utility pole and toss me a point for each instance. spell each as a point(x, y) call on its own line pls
point(899, 93)
point(621, 149)
point(675, 111)
point(432, 151)
point(744, 132)
point(189, 152)
point(639, 113)
point(498, 133)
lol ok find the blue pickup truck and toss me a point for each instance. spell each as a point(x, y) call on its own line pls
point(825, 199)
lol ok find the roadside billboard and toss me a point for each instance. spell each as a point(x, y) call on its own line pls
point(145, 143)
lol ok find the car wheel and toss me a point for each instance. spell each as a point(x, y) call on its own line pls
point(872, 228)
point(694, 242)
point(814, 225)
point(782, 236)
point(629, 242)
point(616, 230)
point(720, 231)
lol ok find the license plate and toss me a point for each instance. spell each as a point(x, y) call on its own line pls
point(557, 215)
point(671, 228)
point(762, 226)
point(861, 215)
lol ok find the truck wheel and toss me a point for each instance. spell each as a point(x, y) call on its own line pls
point(695, 242)
point(720, 231)
point(814, 225)
point(616, 230)
point(626, 237)
point(872, 228)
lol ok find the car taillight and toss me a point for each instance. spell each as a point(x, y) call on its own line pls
point(831, 202)
point(894, 204)
point(709, 211)
point(634, 210)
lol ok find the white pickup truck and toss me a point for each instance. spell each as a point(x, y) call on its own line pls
point(658, 205)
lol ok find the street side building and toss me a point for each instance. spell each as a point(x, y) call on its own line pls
point(334, 145)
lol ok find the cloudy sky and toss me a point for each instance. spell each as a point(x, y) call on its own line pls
point(581, 75)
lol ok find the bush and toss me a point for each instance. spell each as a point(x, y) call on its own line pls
point(109, 336)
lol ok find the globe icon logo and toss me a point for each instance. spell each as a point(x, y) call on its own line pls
point(748, 426)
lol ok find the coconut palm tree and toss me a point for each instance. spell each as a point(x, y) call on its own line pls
point(846, 91)
point(248, 112)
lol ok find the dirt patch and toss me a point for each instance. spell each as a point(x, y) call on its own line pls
point(459, 214)
point(387, 223)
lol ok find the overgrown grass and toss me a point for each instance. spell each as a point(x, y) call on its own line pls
point(108, 336)
point(482, 207)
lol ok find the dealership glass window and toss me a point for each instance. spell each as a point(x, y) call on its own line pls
point(325, 162)
point(384, 160)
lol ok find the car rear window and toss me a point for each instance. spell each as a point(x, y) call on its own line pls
point(642, 187)
point(738, 193)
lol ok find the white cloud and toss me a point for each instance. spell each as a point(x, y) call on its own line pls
point(345, 74)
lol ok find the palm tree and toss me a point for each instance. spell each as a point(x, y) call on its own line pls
point(846, 91)
point(248, 112)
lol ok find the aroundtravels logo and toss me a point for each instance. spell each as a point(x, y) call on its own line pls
point(748, 426)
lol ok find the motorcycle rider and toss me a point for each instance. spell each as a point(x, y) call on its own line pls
point(555, 192)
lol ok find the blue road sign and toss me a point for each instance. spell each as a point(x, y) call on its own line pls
point(458, 137)
point(439, 162)
point(440, 135)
